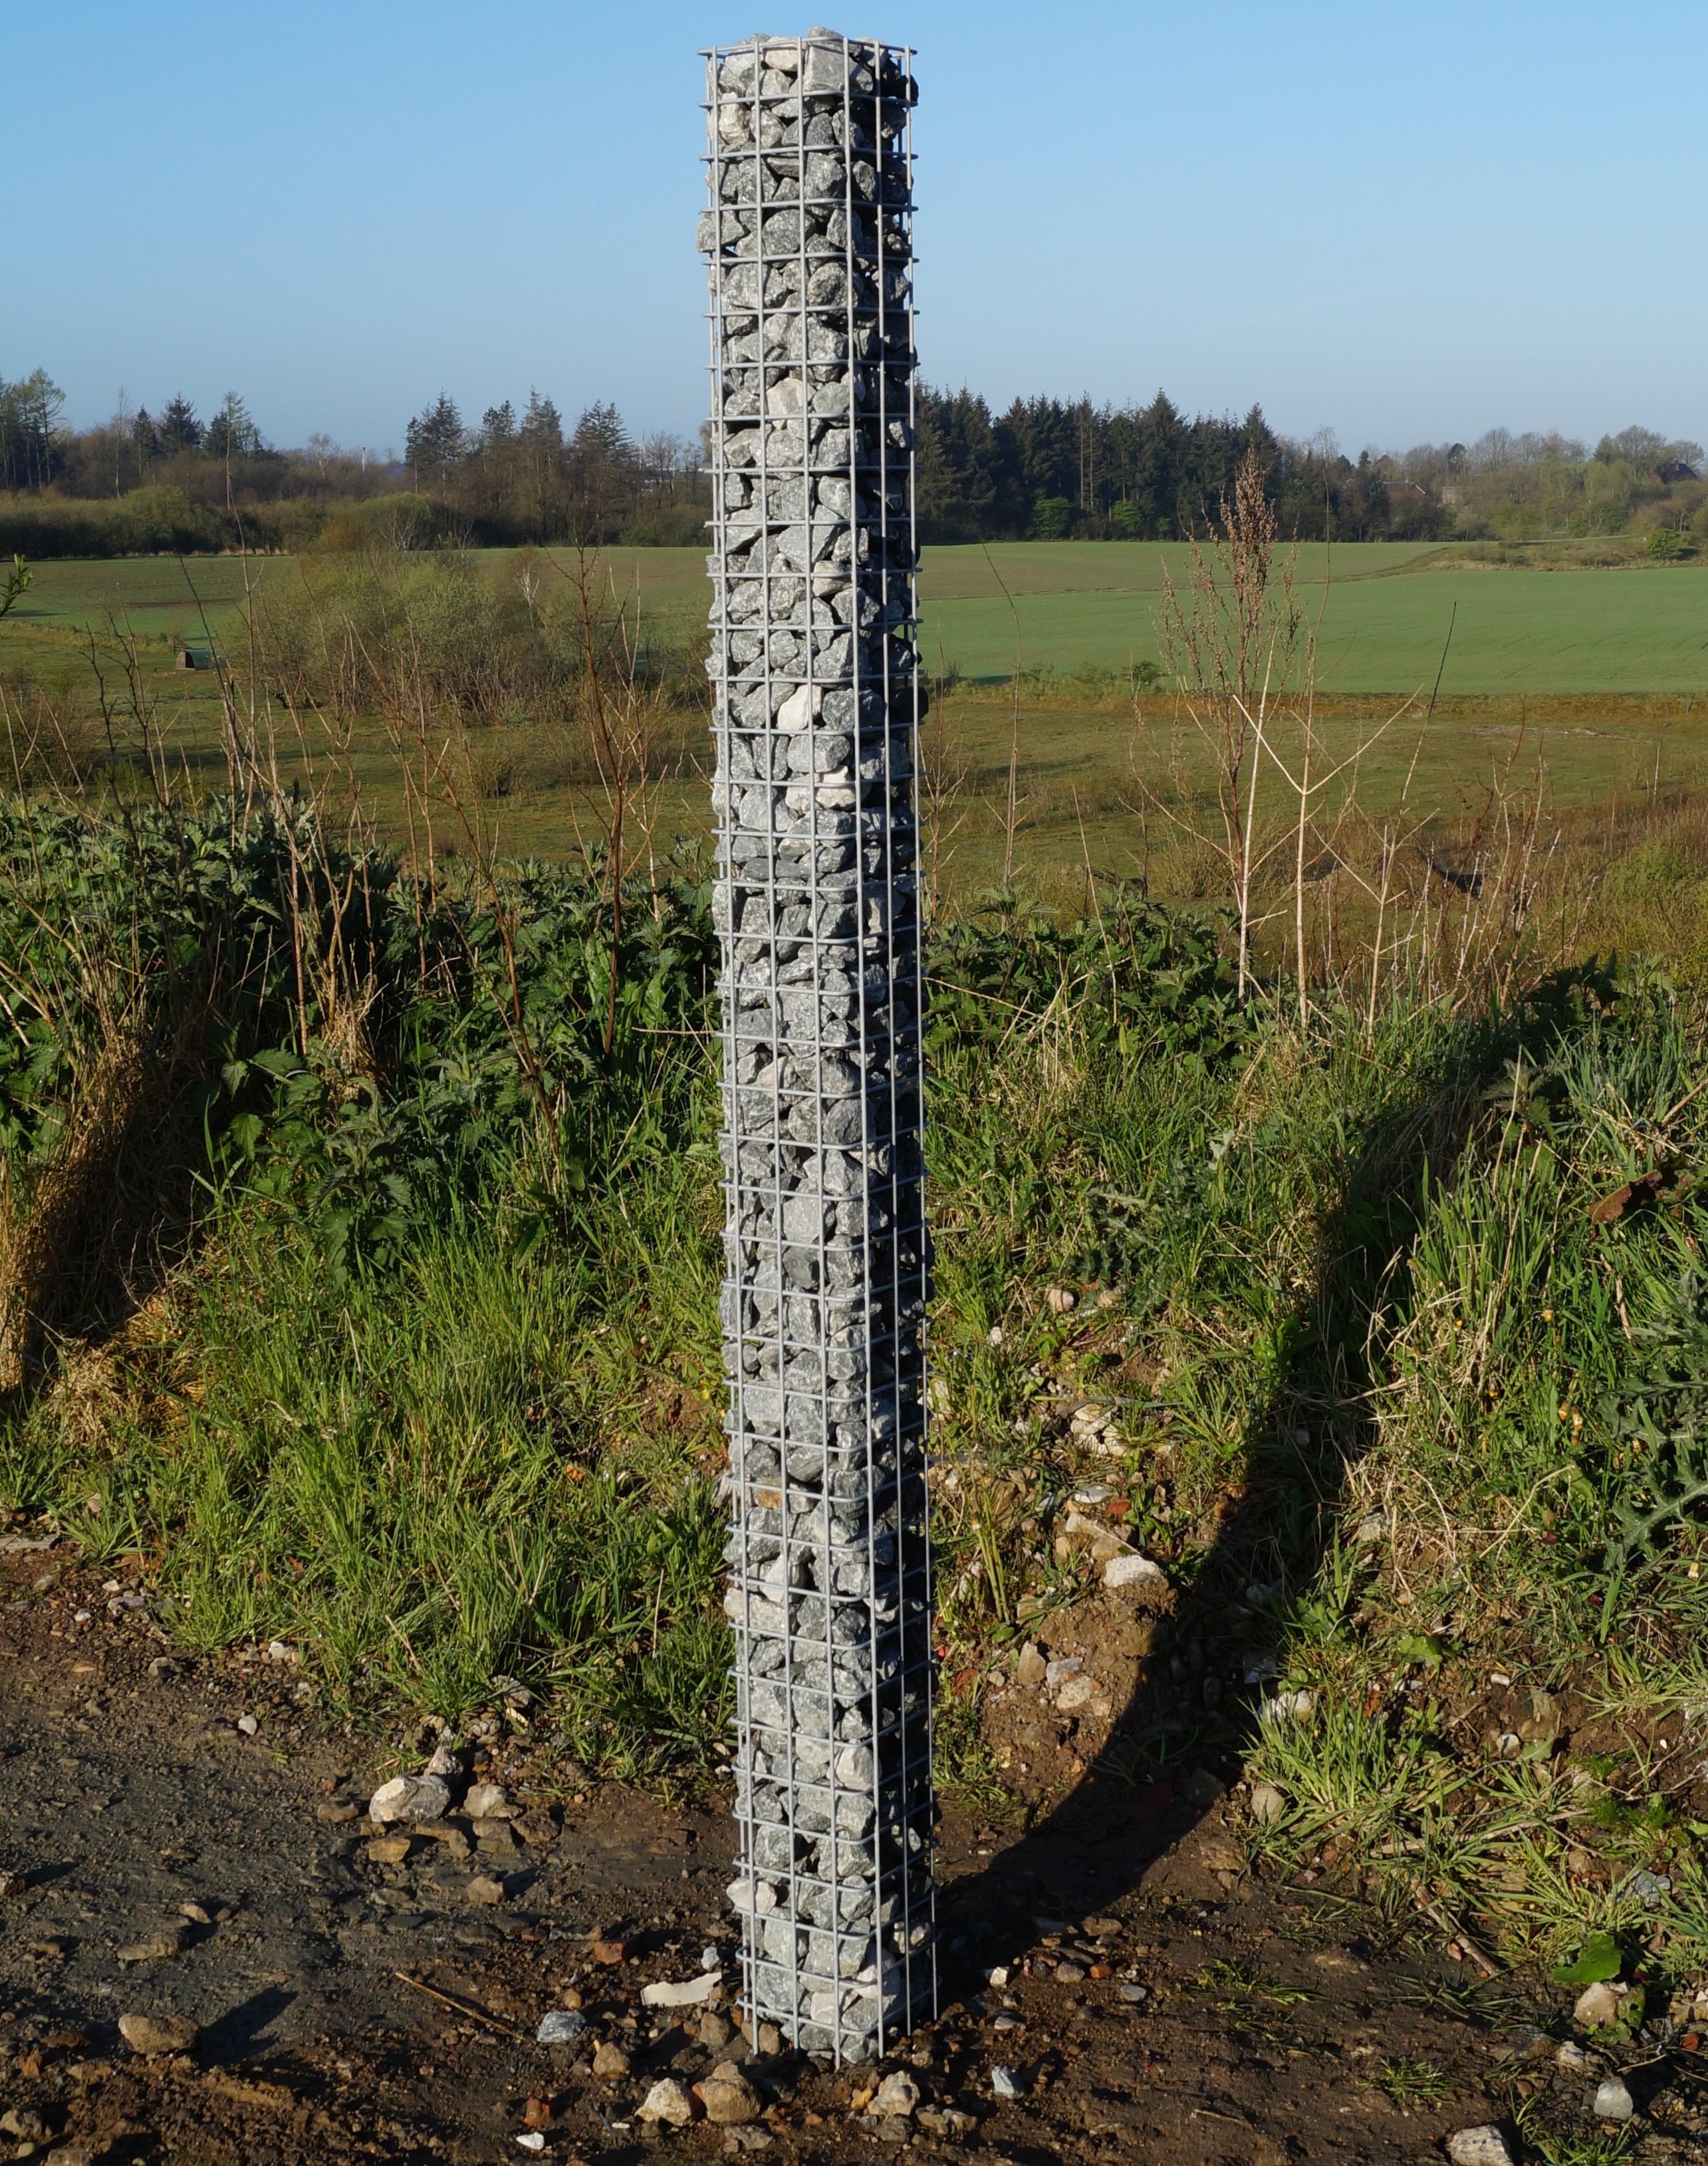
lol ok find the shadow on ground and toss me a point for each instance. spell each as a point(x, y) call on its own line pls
point(1185, 1733)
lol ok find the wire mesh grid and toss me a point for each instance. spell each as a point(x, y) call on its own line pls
point(817, 705)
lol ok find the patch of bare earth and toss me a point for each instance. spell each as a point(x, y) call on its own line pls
point(350, 1992)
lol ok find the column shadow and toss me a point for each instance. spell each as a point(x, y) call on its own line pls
point(1151, 1784)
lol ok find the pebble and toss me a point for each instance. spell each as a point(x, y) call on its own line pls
point(531, 2139)
point(1069, 1973)
point(747, 2139)
point(1479, 2146)
point(337, 1811)
point(610, 2062)
point(389, 1849)
point(561, 2026)
point(1007, 2082)
point(157, 2034)
point(1005, 2023)
point(683, 1993)
point(1133, 1992)
point(156, 1948)
point(1596, 2006)
point(730, 2101)
point(1572, 2057)
point(897, 2093)
point(1268, 1804)
point(484, 1890)
point(485, 1801)
point(715, 2030)
point(24, 2121)
point(248, 1725)
point(1131, 1570)
point(668, 2101)
point(1056, 1673)
point(1613, 2101)
point(945, 2120)
point(1031, 1669)
point(410, 1798)
point(1061, 1301)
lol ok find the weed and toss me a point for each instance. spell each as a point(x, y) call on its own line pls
point(1408, 2084)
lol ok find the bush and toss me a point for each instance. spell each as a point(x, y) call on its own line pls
point(1665, 541)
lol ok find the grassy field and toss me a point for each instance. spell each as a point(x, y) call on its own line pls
point(1384, 611)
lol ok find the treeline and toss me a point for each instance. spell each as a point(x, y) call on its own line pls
point(1045, 469)
point(525, 478)
point(141, 482)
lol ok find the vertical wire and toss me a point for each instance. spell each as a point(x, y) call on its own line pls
point(855, 362)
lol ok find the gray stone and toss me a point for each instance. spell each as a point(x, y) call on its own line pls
point(560, 2026)
point(1613, 2101)
point(1483, 2146)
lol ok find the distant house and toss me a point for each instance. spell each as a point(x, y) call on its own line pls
point(195, 657)
point(1677, 470)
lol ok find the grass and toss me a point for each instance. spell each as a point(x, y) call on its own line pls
point(1385, 610)
point(1391, 1293)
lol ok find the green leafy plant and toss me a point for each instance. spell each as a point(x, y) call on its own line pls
point(16, 585)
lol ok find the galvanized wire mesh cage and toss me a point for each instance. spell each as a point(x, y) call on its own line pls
point(817, 701)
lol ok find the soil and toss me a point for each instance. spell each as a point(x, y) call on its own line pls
point(157, 1860)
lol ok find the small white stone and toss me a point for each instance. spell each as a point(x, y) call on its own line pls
point(798, 710)
point(1131, 1570)
point(681, 1992)
point(668, 2101)
point(898, 2093)
point(248, 1725)
point(1007, 2082)
point(1479, 2146)
point(1596, 2005)
point(1613, 2101)
point(1268, 1804)
point(485, 1801)
point(410, 1798)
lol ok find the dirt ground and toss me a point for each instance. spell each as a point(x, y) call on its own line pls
point(158, 1860)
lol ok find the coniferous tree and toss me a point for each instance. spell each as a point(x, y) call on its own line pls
point(179, 429)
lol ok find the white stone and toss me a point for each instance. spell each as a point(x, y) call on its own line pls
point(681, 1992)
point(1613, 2101)
point(798, 710)
point(668, 2101)
point(1484, 2145)
point(1268, 1804)
point(1596, 2004)
point(410, 1798)
point(1131, 1570)
point(898, 2093)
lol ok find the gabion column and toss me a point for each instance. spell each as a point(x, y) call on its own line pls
point(818, 702)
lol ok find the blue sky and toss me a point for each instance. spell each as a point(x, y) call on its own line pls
point(1399, 223)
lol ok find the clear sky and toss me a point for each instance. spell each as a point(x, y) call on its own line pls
point(1398, 222)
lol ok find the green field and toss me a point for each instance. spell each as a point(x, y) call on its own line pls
point(1384, 610)
point(1598, 677)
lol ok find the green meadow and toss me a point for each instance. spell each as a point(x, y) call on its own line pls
point(1383, 611)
